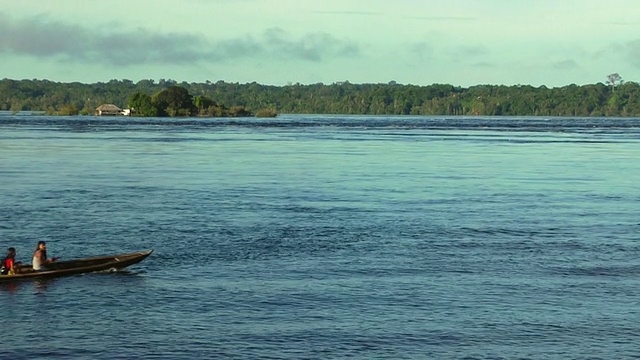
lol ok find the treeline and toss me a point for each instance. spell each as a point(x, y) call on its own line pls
point(177, 101)
point(338, 98)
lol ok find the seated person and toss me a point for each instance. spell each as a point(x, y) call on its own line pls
point(8, 266)
point(40, 259)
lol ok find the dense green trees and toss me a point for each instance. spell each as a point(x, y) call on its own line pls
point(177, 101)
point(173, 101)
point(142, 105)
point(170, 98)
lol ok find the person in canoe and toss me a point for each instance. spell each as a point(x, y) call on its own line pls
point(40, 259)
point(8, 266)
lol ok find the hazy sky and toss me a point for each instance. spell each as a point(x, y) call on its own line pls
point(421, 42)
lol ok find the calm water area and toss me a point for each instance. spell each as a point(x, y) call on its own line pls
point(325, 237)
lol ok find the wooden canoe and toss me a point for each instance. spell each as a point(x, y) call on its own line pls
point(78, 266)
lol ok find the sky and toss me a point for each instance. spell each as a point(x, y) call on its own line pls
point(280, 42)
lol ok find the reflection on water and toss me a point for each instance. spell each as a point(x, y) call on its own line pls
point(11, 286)
point(39, 285)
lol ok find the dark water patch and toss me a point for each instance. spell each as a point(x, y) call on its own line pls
point(504, 124)
point(632, 271)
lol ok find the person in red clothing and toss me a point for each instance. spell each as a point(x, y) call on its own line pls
point(9, 262)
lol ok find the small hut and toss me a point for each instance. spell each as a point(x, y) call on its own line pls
point(108, 110)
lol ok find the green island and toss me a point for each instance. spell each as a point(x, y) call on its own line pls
point(614, 98)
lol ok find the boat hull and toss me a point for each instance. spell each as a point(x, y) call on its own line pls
point(78, 266)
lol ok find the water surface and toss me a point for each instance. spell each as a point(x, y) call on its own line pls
point(325, 237)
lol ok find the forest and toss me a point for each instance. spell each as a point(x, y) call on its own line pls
point(614, 98)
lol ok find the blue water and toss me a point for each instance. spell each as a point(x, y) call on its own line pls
point(325, 237)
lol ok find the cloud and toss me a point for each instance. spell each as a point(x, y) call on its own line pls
point(312, 47)
point(467, 52)
point(632, 52)
point(485, 65)
point(565, 65)
point(41, 37)
point(425, 50)
point(422, 50)
point(350, 13)
point(620, 53)
point(32, 37)
point(443, 18)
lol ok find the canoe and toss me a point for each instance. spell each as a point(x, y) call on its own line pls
point(78, 266)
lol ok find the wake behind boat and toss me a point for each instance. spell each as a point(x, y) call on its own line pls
point(78, 266)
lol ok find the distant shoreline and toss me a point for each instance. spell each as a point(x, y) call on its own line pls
point(593, 100)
